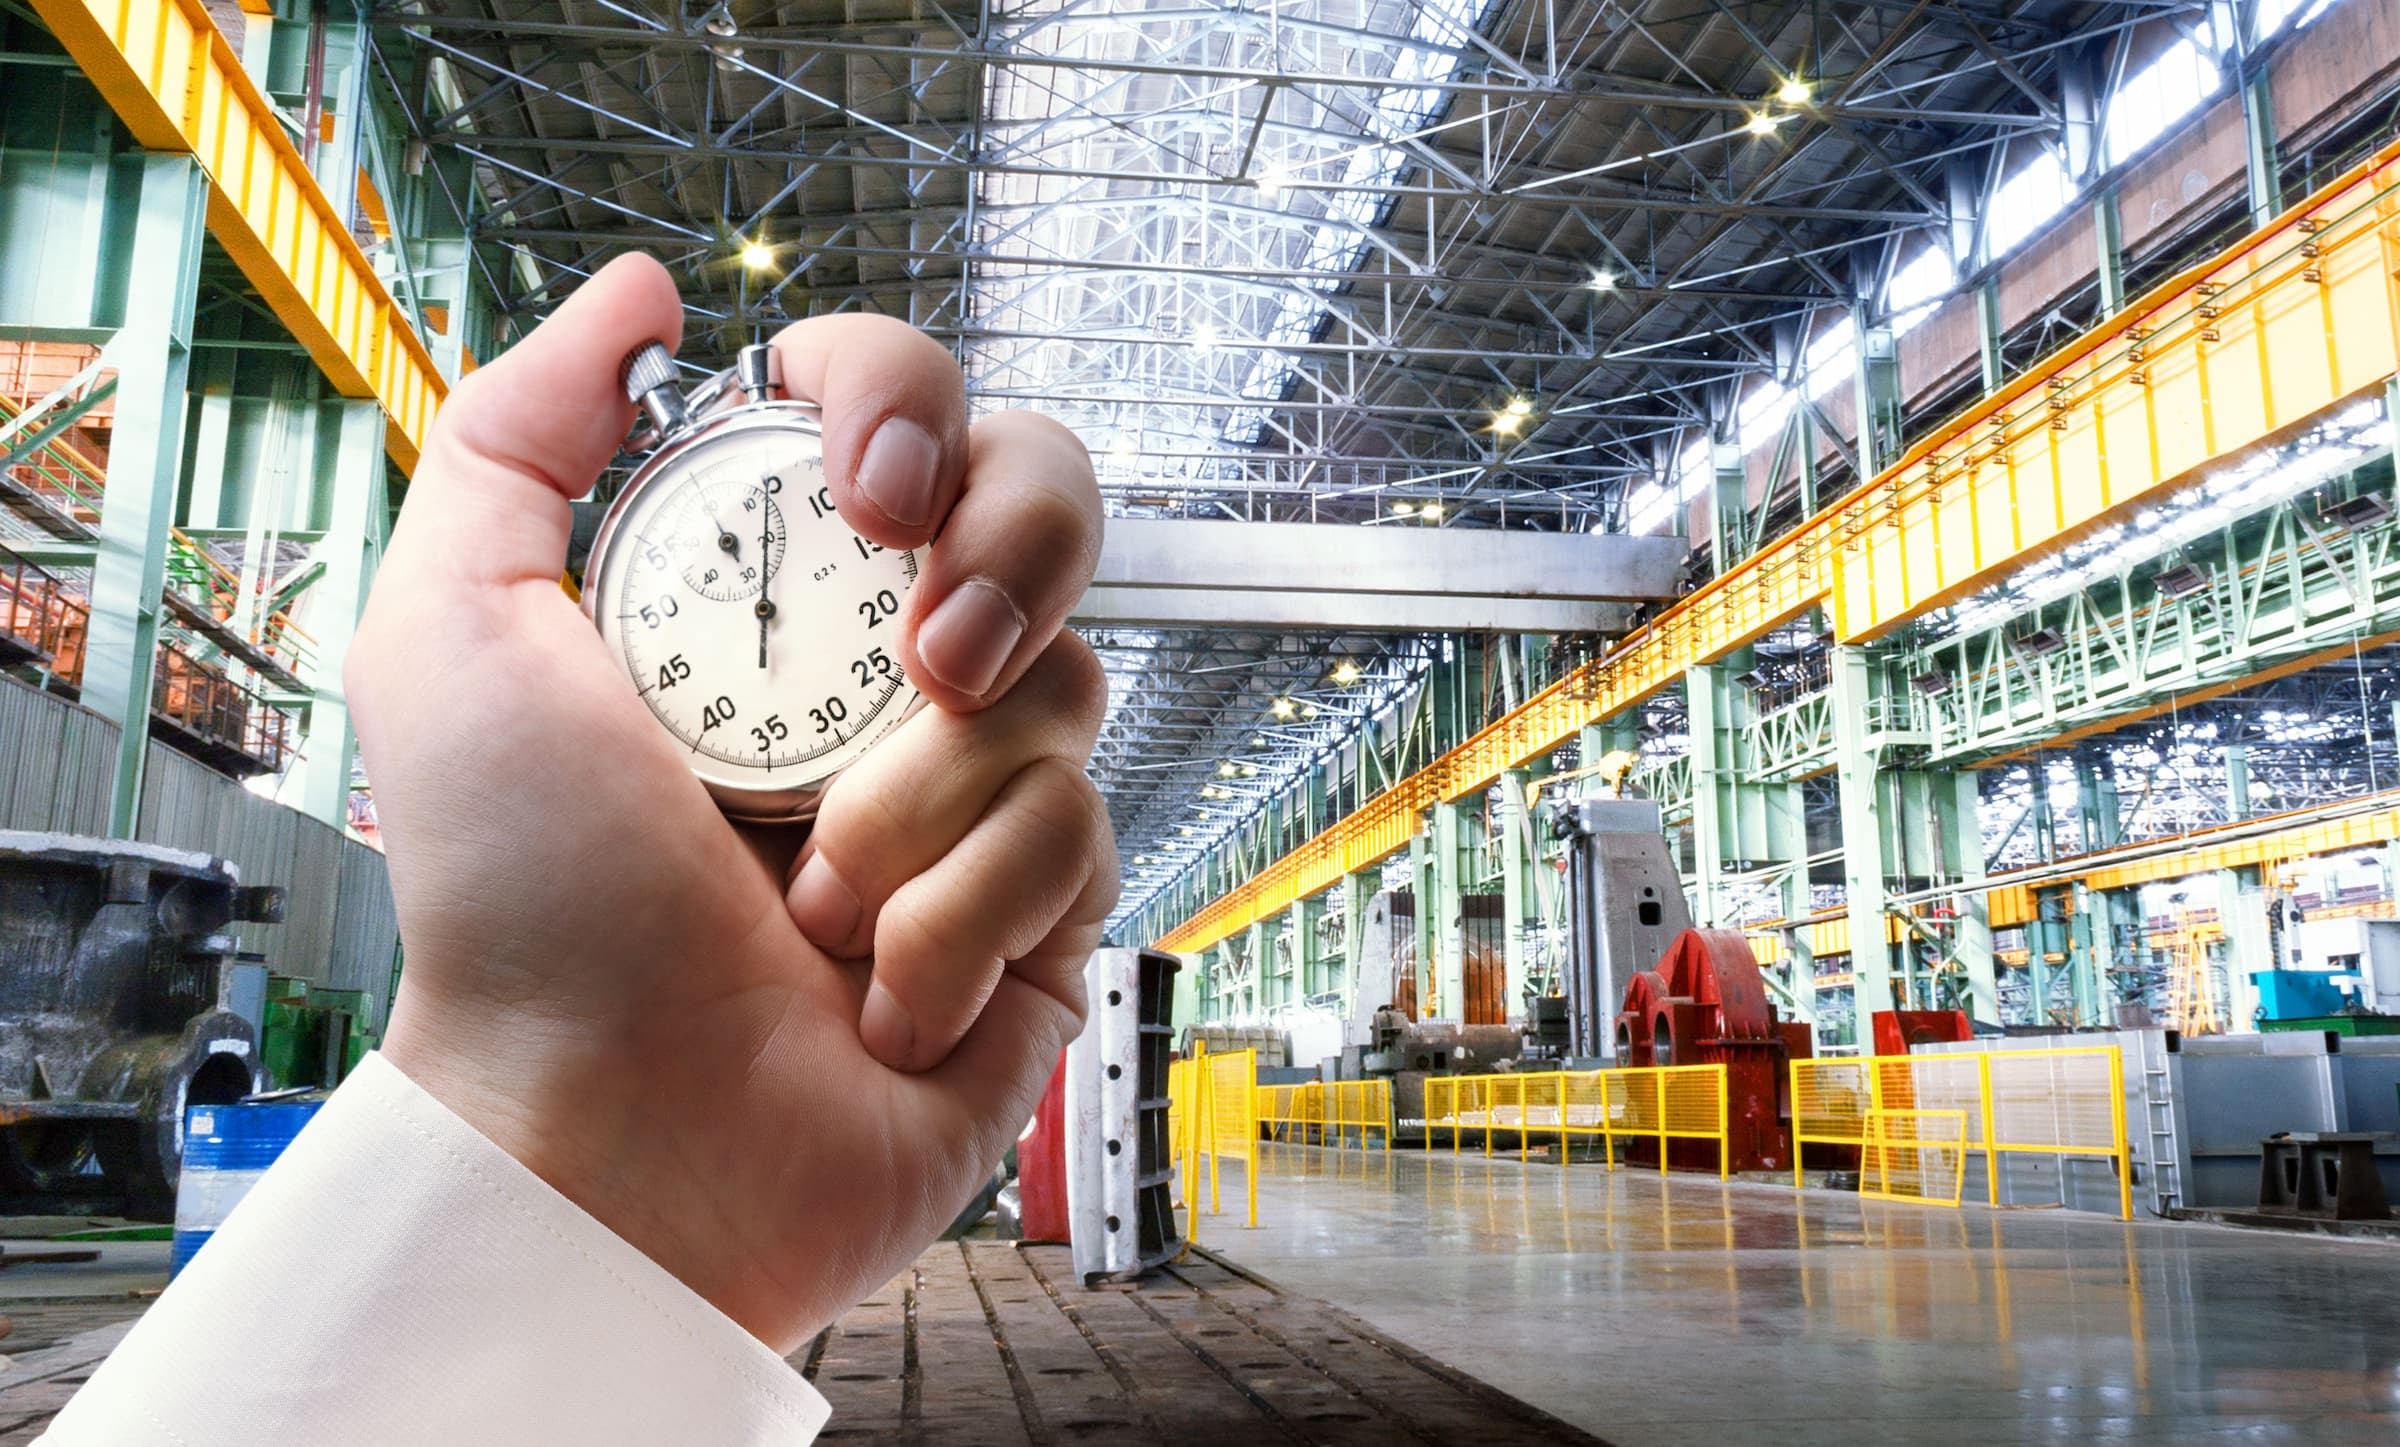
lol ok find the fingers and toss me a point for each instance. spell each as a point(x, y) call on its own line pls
point(1016, 553)
point(518, 439)
point(1041, 862)
point(903, 806)
point(895, 417)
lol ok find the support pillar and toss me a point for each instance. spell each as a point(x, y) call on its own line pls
point(2108, 228)
point(1729, 506)
point(1987, 334)
point(153, 358)
point(1518, 855)
point(2237, 781)
point(1862, 826)
point(2264, 166)
point(2249, 942)
point(1962, 844)
point(1878, 383)
point(351, 549)
point(1446, 916)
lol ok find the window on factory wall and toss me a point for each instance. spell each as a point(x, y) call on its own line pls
point(2168, 89)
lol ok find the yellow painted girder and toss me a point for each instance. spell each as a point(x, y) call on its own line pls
point(2243, 348)
point(175, 81)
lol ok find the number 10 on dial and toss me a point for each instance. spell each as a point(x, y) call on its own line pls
point(760, 631)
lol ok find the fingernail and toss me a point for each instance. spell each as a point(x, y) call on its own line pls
point(823, 906)
point(970, 636)
point(896, 471)
point(884, 1026)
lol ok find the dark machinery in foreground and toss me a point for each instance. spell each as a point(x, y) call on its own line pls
point(111, 1020)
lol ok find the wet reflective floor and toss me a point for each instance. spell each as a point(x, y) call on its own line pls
point(1656, 1312)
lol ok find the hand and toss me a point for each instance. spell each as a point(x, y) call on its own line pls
point(606, 978)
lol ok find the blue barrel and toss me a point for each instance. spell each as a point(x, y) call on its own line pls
point(226, 1148)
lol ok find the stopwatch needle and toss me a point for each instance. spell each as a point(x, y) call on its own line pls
point(766, 580)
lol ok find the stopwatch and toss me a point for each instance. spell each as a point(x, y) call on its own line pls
point(758, 629)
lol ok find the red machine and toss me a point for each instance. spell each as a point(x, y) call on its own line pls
point(1706, 1003)
point(1897, 1030)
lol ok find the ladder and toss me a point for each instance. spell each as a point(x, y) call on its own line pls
point(2157, 1147)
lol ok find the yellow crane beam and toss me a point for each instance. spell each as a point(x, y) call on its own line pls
point(2241, 349)
point(175, 81)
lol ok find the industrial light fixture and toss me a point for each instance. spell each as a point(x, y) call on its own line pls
point(2179, 579)
point(1604, 280)
point(1249, 771)
point(1140, 859)
point(1508, 419)
point(1184, 830)
point(1345, 672)
point(1431, 512)
point(2041, 642)
point(1225, 770)
point(2364, 510)
point(1123, 450)
point(757, 256)
point(1751, 678)
point(1793, 92)
point(1763, 124)
point(1308, 710)
point(719, 25)
point(1205, 339)
point(1404, 509)
point(1931, 682)
point(1258, 741)
point(1271, 181)
point(1284, 708)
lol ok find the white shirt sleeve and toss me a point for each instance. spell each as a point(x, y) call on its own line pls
point(397, 1278)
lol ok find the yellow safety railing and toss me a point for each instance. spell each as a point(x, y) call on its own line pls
point(2068, 1101)
point(1914, 1155)
point(1212, 1113)
point(1661, 1103)
point(1326, 1113)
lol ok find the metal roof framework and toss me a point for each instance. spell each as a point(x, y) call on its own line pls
point(1271, 261)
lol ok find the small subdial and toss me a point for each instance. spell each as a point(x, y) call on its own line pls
point(730, 537)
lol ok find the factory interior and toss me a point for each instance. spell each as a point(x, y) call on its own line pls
point(1752, 657)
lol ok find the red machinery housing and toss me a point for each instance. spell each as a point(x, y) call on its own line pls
point(1706, 1003)
point(1897, 1030)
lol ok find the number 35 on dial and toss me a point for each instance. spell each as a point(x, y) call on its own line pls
point(759, 630)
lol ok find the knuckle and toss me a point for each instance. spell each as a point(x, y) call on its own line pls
point(1076, 681)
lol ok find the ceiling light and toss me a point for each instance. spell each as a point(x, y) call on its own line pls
point(1507, 423)
point(1404, 509)
point(1123, 450)
point(1793, 92)
point(1225, 770)
point(1345, 672)
point(756, 256)
point(1931, 682)
point(2364, 510)
point(1283, 708)
point(2041, 642)
point(1249, 771)
point(1258, 741)
point(1431, 512)
point(1518, 407)
point(2179, 580)
point(1604, 281)
point(1205, 339)
point(1763, 124)
point(1185, 831)
point(1271, 181)
point(1140, 859)
point(1308, 710)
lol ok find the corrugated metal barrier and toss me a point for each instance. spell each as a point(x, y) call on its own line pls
point(2068, 1102)
point(1660, 1102)
point(56, 762)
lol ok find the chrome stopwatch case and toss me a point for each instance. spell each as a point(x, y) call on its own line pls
point(758, 629)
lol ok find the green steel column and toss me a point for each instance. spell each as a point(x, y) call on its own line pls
point(1449, 912)
point(2242, 914)
point(1263, 972)
point(2264, 168)
point(1517, 854)
point(2237, 781)
point(1787, 841)
point(2108, 228)
point(1879, 401)
point(1962, 827)
point(1862, 831)
point(1422, 887)
point(1708, 709)
point(153, 360)
point(352, 547)
point(1729, 506)
point(2087, 945)
point(1300, 930)
point(1987, 333)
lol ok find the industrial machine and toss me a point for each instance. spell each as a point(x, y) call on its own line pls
point(1625, 908)
point(1706, 1003)
point(111, 1020)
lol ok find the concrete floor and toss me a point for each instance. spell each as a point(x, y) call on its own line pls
point(1663, 1312)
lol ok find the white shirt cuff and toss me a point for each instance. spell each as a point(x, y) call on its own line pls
point(397, 1278)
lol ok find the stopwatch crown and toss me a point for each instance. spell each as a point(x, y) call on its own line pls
point(648, 367)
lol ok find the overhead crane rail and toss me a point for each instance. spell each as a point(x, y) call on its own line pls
point(2240, 349)
point(171, 75)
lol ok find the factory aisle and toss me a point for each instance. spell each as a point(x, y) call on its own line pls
point(1661, 1312)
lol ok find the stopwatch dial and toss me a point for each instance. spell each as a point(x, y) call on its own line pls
point(792, 687)
point(729, 536)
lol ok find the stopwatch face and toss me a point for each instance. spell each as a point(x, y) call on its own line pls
point(759, 630)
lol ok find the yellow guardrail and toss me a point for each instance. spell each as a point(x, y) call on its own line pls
point(2063, 1102)
point(1212, 1113)
point(1658, 1102)
point(1902, 1160)
point(1321, 1113)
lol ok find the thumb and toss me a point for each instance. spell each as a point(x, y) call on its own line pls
point(517, 440)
